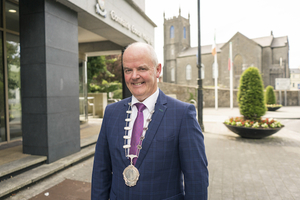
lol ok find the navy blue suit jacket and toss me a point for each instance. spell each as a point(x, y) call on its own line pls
point(172, 162)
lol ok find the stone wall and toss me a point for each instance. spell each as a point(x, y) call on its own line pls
point(185, 93)
point(100, 102)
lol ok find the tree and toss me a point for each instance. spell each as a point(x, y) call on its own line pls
point(251, 94)
point(113, 65)
point(95, 67)
point(270, 95)
point(105, 75)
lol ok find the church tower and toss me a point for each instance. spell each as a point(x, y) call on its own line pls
point(176, 39)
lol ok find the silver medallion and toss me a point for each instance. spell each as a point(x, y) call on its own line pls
point(131, 173)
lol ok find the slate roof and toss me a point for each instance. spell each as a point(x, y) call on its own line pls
point(204, 50)
point(262, 41)
point(280, 41)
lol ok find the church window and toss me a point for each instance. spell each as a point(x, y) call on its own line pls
point(173, 74)
point(184, 32)
point(188, 72)
point(172, 32)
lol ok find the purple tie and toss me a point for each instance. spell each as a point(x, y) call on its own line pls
point(137, 130)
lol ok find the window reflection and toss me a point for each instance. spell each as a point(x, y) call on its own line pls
point(14, 85)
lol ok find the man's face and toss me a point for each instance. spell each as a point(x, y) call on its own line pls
point(139, 72)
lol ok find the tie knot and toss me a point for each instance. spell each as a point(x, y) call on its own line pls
point(140, 107)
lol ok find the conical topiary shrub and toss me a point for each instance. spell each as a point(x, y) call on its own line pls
point(251, 95)
point(270, 97)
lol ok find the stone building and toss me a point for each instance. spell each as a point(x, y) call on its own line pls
point(269, 54)
point(295, 79)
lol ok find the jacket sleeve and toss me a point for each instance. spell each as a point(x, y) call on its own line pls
point(192, 156)
point(102, 169)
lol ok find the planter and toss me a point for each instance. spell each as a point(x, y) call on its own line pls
point(273, 108)
point(252, 133)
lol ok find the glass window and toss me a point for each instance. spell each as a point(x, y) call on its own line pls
point(184, 33)
point(14, 85)
point(188, 72)
point(173, 74)
point(83, 115)
point(2, 96)
point(12, 16)
point(172, 32)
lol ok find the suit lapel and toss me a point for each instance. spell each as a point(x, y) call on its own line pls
point(160, 109)
point(121, 132)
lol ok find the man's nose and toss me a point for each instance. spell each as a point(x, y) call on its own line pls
point(135, 74)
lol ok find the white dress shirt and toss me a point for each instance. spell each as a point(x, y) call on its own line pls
point(149, 103)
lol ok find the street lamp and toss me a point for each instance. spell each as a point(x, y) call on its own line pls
point(200, 89)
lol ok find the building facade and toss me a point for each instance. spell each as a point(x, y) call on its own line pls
point(44, 48)
point(295, 79)
point(269, 54)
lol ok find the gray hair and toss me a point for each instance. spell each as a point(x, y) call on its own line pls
point(151, 51)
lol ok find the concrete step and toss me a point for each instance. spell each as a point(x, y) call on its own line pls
point(20, 164)
point(15, 183)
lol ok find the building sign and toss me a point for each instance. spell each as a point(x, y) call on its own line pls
point(129, 27)
point(100, 8)
point(282, 83)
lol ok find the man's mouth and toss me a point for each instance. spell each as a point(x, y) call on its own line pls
point(137, 84)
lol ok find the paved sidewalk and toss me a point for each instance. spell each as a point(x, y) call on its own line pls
point(239, 168)
point(264, 169)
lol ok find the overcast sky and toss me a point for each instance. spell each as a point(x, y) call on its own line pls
point(255, 18)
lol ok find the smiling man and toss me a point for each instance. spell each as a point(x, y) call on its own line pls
point(141, 71)
point(150, 145)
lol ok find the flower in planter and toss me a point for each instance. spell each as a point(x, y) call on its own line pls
point(239, 124)
point(255, 125)
point(260, 123)
point(273, 105)
point(247, 124)
point(252, 107)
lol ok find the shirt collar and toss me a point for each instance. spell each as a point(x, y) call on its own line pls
point(149, 102)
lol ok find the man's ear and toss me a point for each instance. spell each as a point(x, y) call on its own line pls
point(158, 70)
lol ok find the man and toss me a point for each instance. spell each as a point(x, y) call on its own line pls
point(168, 161)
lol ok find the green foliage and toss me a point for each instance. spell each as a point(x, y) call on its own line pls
point(105, 75)
point(191, 96)
point(108, 87)
point(13, 64)
point(251, 94)
point(118, 94)
point(95, 67)
point(270, 95)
